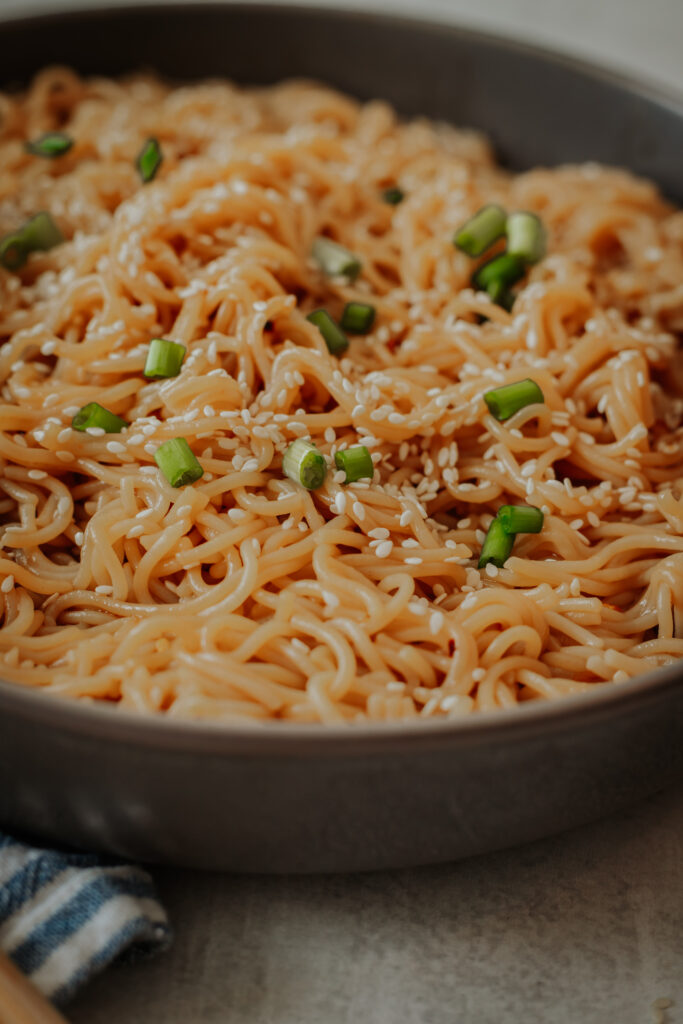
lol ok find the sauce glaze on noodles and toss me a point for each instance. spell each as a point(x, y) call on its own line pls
point(243, 596)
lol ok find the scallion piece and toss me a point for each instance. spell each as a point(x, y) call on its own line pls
point(38, 233)
point(520, 518)
point(526, 236)
point(13, 252)
point(95, 415)
point(149, 160)
point(51, 144)
point(357, 317)
point(481, 230)
point(393, 196)
point(506, 401)
point(499, 293)
point(177, 462)
point(335, 339)
point(304, 464)
point(501, 270)
point(355, 462)
point(497, 545)
point(164, 359)
point(334, 260)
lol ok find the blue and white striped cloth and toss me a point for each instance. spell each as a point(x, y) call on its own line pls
point(65, 916)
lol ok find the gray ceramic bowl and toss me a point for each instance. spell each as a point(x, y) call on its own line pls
point(292, 798)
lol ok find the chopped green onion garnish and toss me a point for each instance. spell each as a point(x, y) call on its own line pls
point(358, 317)
point(335, 339)
point(149, 160)
point(481, 231)
point(38, 233)
point(356, 463)
point(501, 270)
point(497, 545)
point(334, 260)
point(95, 415)
point(393, 196)
point(177, 462)
point(41, 232)
point(526, 236)
point(499, 293)
point(13, 252)
point(164, 358)
point(504, 402)
point(520, 518)
point(51, 144)
point(304, 464)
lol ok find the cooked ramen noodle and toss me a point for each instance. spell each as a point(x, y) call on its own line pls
point(195, 215)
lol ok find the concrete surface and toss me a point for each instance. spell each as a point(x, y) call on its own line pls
point(585, 928)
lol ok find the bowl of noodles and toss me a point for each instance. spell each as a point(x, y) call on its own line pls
point(342, 464)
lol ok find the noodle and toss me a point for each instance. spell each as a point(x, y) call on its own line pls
point(244, 596)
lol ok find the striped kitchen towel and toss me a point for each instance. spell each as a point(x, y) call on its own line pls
point(65, 916)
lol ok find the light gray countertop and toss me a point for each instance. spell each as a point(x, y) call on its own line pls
point(584, 928)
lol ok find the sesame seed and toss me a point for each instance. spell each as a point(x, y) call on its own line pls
point(379, 533)
point(36, 474)
point(491, 570)
point(436, 621)
point(384, 549)
point(7, 584)
point(115, 447)
point(412, 561)
point(358, 510)
point(78, 539)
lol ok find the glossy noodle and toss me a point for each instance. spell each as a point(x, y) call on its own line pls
point(243, 596)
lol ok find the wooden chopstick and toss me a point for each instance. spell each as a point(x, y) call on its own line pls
point(20, 1002)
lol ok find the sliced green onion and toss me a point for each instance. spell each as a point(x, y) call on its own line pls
point(393, 196)
point(499, 293)
point(149, 160)
point(526, 236)
point(334, 260)
point(41, 232)
point(95, 415)
point(164, 358)
point(481, 231)
point(356, 463)
point(357, 317)
point(497, 545)
point(13, 252)
point(51, 144)
point(501, 270)
point(504, 402)
point(177, 462)
point(520, 518)
point(335, 339)
point(38, 233)
point(304, 464)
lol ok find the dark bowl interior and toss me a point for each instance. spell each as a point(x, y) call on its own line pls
point(287, 798)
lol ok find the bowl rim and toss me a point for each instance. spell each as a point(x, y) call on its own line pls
point(271, 737)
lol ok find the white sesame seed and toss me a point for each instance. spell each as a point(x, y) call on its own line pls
point(379, 533)
point(436, 621)
point(478, 674)
point(36, 474)
point(7, 584)
point(358, 510)
point(115, 447)
point(384, 549)
point(491, 570)
point(412, 561)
